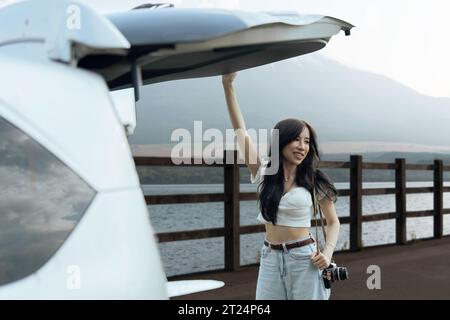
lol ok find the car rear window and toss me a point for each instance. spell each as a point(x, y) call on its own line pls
point(41, 201)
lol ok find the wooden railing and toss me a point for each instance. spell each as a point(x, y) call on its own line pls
point(232, 196)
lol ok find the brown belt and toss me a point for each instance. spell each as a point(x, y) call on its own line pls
point(290, 245)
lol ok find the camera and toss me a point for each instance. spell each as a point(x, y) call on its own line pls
point(333, 273)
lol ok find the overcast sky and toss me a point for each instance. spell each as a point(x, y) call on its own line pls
point(406, 40)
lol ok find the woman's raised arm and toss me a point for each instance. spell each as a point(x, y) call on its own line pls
point(251, 157)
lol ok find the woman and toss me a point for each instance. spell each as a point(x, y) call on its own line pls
point(290, 267)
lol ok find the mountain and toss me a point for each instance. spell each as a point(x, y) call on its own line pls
point(341, 103)
point(389, 157)
point(204, 175)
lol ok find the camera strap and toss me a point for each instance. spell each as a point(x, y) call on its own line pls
point(318, 209)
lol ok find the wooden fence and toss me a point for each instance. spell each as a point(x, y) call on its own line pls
point(232, 196)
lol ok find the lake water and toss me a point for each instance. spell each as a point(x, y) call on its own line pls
point(189, 256)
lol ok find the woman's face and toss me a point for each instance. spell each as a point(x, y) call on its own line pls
point(295, 152)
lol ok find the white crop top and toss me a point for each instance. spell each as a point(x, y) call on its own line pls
point(295, 208)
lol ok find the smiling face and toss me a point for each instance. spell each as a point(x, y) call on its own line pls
point(296, 151)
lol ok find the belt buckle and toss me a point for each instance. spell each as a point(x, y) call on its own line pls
point(275, 246)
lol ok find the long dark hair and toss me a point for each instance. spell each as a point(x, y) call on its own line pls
point(307, 175)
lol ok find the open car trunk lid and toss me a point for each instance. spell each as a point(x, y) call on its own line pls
point(171, 44)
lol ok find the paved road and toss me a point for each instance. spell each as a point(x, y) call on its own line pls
point(418, 270)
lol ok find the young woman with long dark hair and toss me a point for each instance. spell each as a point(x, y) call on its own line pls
point(290, 265)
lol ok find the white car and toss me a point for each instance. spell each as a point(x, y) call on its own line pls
point(73, 220)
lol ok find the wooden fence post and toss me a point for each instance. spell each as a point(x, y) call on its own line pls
point(400, 201)
point(438, 199)
point(231, 205)
point(355, 203)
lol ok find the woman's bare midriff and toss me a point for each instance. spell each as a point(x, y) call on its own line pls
point(279, 234)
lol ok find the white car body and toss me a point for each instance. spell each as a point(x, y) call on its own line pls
point(110, 253)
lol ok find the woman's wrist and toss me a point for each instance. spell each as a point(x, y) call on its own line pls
point(327, 254)
point(328, 250)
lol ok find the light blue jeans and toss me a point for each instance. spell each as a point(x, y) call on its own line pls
point(290, 275)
